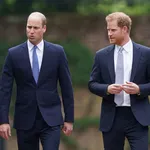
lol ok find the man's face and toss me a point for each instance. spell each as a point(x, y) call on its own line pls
point(35, 29)
point(115, 34)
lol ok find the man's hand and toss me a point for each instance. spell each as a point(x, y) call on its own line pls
point(114, 88)
point(5, 131)
point(131, 88)
point(67, 128)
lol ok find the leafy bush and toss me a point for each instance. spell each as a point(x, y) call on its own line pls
point(3, 51)
point(80, 61)
point(104, 8)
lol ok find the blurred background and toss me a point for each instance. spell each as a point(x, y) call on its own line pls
point(79, 26)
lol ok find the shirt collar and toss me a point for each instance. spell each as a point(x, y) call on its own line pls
point(127, 47)
point(40, 46)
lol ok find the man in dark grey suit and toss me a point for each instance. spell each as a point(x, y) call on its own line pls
point(37, 66)
point(121, 76)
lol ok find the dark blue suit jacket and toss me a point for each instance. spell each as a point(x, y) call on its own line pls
point(44, 94)
point(103, 74)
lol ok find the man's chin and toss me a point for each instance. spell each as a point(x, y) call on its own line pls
point(111, 41)
point(31, 39)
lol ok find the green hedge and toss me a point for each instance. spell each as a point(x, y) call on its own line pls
point(80, 60)
point(3, 51)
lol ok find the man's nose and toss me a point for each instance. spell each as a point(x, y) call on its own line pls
point(109, 33)
point(31, 30)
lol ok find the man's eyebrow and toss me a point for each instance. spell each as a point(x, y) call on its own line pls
point(33, 26)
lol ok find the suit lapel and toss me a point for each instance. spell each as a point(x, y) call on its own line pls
point(136, 58)
point(110, 53)
point(25, 55)
point(44, 61)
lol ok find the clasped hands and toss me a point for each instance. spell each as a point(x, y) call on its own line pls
point(128, 87)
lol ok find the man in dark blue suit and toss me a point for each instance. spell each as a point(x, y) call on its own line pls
point(121, 76)
point(37, 66)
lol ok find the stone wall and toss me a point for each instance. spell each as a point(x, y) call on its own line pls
point(90, 30)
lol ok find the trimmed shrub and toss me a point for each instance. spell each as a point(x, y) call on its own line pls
point(80, 60)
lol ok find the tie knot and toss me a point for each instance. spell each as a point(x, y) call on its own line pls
point(34, 48)
point(121, 49)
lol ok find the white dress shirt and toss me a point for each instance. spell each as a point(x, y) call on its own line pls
point(39, 51)
point(128, 59)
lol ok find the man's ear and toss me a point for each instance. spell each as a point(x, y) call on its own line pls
point(44, 28)
point(125, 29)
